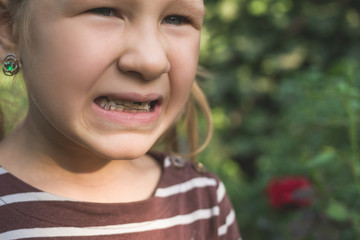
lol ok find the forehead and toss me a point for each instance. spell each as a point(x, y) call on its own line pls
point(191, 4)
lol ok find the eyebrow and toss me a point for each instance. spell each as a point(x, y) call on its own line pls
point(195, 6)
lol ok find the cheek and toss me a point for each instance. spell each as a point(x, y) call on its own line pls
point(64, 56)
point(184, 61)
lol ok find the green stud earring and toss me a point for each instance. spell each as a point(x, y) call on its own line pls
point(11, 65)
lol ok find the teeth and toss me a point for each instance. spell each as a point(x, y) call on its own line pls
point(111, 103)
point(102, 102)
point(122, 105)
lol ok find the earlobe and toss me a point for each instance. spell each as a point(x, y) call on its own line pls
point(7, 43)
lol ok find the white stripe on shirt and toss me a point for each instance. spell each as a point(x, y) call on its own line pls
point(220, 192)
point(2, 171)
point(160, 192)
point(185, 186)
point(230, 219)
point(30, 197)
point(197, 215)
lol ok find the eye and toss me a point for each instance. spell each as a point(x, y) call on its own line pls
point(104, 11)
point(176, 20)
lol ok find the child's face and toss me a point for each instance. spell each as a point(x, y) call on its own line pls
point(139, 56)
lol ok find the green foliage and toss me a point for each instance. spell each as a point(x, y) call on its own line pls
point(13, 101)
point(337, 212)
point(286, 92)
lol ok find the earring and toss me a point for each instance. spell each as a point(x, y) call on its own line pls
point(11, 65)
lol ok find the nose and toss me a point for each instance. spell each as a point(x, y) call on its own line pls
point(145, 53)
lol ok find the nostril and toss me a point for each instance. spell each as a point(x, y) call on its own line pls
point(143, 62)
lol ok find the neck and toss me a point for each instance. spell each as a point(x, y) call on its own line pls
point(72, 171)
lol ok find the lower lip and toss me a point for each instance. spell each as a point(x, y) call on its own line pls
point(131, 119)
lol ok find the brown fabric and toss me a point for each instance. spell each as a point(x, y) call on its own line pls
point(186, 205)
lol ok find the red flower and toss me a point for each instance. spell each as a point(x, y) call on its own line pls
point(290, 192)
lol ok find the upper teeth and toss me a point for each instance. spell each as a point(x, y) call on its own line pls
point(121, 105)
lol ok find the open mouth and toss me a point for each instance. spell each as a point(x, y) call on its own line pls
point(112, 104)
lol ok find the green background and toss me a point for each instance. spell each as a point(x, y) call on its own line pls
point(284, 86)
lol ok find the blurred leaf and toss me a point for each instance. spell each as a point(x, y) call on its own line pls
point(325, 157)
point(337, 211)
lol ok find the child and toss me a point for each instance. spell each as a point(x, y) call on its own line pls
point(105, 80)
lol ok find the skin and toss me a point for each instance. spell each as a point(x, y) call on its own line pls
point(77, 54)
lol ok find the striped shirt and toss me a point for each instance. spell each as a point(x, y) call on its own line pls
point(187, 204)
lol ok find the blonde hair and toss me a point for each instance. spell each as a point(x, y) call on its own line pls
point(17, 14)
point(189, 123)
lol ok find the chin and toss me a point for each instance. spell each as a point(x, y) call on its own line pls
point(122, 151)
point(116, 146)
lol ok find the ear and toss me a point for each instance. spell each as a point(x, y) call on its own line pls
point(7, 42)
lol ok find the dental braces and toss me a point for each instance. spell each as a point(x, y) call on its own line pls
point(130, 108)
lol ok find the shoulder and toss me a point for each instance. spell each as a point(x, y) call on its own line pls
point(177, 169)
point(188, 180)
point(193, 188)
